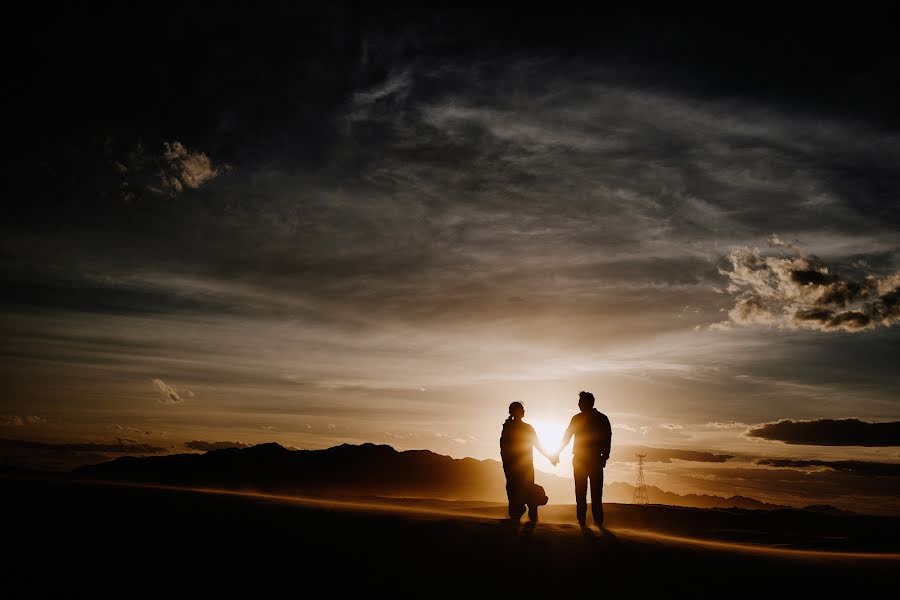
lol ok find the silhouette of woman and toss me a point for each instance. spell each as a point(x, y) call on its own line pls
point(516, 442)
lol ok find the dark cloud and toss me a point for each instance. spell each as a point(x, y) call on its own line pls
point(121, 446)
point(800, 291)
point(830, 432)
point(665, 455)
point(806, 277)
point(852, 466)
point(66, 456)
point(207, 446)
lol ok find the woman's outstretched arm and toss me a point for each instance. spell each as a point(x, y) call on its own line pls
point(540, 448)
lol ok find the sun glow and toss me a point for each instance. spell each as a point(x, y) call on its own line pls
point(550, 434)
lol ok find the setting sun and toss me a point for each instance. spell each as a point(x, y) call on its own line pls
point(550, 434)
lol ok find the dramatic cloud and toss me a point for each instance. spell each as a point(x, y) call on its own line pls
point(208, 446)
point(829, 432)
point(664, 455)
point(185, 168)
point(852, 466)
point(800, 291)
point(167, 174)
point(170, 394)
point(403, 218)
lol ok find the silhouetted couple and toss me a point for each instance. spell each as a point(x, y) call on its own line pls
point(593, 436)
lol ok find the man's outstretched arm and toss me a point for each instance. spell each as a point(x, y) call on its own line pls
point(567, 437)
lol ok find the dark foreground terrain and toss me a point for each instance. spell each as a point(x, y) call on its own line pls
point(112, 540)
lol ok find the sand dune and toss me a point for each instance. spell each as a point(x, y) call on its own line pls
point(91, 535)
point(554, 520)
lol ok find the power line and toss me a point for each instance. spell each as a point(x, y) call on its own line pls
point(640, 487)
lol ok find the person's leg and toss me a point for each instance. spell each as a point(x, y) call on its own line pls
point(514, 496)
point(516, 508)
point(516, 505)
point(580, 491)
point(528, 493)
point(596, 476)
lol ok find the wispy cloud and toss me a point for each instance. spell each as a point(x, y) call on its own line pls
point(120, 446)
point(726, 425)
point(852, 466)
point(136, 431)
point(21, 421)
point(169, 393)
point(665, 455)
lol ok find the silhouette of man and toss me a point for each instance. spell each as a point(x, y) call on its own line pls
point(593, 437)
point(516, 442)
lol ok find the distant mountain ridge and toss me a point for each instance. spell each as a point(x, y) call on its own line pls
point(345, 470)
point(618, 491)
point(367, 469)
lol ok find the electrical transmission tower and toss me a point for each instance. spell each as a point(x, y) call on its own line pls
point(640, 487)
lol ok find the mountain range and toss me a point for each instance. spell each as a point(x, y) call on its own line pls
point(365, 470)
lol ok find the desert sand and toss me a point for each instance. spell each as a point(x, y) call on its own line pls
point(98, 537)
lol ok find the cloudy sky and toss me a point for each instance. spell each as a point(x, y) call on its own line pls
point(318, 225)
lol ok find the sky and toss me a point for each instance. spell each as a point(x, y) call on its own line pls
point(319, 224)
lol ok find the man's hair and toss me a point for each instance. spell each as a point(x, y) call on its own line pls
point(517, 407)
point(587, 397)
